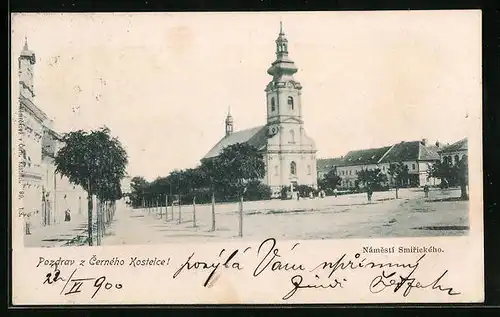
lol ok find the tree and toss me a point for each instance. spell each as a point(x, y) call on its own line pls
point(399, 174)
point(463, 176)
point(138, 186)
point(240, 164)
point(330, 180)
point(445, 171)
point(371, 179)
point(256, 190)
point(93, 160)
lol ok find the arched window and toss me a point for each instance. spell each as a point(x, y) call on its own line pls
point(292, 136)
point(290, 102)
point(273, 104)
point(293, 168)
point(457, 159)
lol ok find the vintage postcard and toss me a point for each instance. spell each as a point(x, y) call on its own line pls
point(247, 158)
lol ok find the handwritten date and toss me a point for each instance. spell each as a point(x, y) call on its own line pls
point(75, 285)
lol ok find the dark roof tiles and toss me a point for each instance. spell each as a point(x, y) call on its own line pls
point(256, 137)
point(461, 145)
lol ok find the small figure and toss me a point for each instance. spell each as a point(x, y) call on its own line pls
point(67, 211)
point(335, 192)
point(426, 191)
point(369, 192)
point(28, 224)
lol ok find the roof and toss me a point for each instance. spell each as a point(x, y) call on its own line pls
point(328, 163)
point(364, 157)
point(256, 137)
point(410, 151)
point(461, 145)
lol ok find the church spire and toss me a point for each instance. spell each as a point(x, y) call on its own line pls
point(281, 43)
point(283, 65)
point(229, 122)
point(26, 53)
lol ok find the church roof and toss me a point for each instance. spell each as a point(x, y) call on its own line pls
point(461, 145)
point(256, 137)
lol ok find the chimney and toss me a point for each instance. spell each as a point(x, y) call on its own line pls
point(424, 142)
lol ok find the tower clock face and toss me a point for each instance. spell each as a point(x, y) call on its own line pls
point(273, 130)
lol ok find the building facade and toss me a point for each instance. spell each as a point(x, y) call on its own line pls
point(45, 194)
point(326, 165)
point(418, 156)
point(289, 154)
point(455, 152)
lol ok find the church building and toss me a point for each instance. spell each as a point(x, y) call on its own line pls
point(289, 154)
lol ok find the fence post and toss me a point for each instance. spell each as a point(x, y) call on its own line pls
point(213, 212)
point(180, 207)
point(161, 207)
point(172, 208)
point(241, 216)
point(194, 212)
point(97, 221)
point(166, 207)
point(156, 209)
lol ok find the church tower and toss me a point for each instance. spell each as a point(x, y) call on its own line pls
point(291, 156)
point(283, 92)
point(229, 123)
point(26, 61)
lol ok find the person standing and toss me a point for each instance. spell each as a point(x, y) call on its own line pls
point(369, 192)
point(28, 223)
point(67, 211)
point(426, 191)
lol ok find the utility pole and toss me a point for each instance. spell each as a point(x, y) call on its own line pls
point(194, 212)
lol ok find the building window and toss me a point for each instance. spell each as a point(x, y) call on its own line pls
point(293, 168)
point(413, 166)
point(292, 136)
point(350, 172)
point(457, 159)
point(273, 104)
point(290, 102)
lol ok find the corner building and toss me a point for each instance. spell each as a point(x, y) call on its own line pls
point(289, 154)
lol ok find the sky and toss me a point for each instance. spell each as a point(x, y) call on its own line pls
point(163, 83)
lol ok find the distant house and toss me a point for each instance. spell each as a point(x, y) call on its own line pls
point(326, 165)
point(417, 155)
point(453, 153)
point(355, 161)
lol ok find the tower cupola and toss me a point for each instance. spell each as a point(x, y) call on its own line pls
point(229, 123)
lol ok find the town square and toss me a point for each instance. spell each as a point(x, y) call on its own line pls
point(272, 148)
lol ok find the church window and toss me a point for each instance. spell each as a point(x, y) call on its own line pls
point(293, 168)
point(273, 104)
point(292, 136)
point(290, 102)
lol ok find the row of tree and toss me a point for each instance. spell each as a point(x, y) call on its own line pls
point(96, 161)
point(236, 172)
